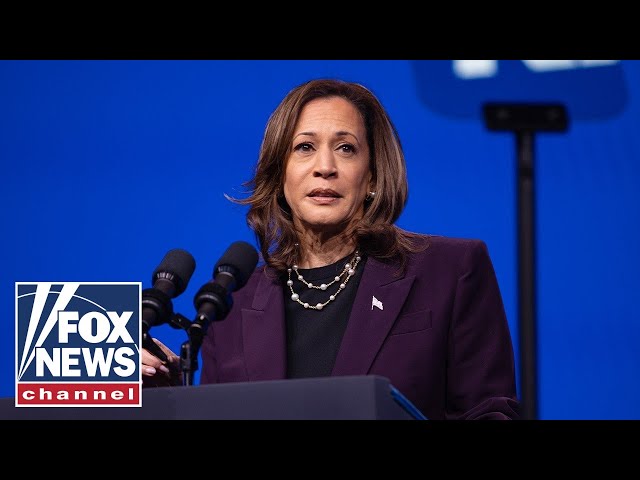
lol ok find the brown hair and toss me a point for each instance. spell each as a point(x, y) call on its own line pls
point(269, 214)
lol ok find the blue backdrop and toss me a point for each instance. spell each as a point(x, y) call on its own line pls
point(106, 165)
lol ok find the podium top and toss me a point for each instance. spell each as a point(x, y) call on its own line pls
point(363, 397)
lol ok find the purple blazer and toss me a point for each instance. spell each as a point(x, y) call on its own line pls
point(441, 337)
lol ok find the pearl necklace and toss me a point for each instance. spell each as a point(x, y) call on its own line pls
point(349, 270)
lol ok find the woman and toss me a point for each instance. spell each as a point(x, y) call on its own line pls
point(346, 292)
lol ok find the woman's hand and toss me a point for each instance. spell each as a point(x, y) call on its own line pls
point(156, 373)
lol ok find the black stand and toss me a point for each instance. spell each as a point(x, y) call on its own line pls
point(524, 120)
point(189, 348)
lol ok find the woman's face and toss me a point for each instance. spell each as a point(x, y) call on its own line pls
point(327, 174)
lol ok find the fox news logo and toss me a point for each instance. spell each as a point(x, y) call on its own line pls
point(78, 344)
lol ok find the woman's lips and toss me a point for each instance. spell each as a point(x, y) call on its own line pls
point(320, 200)
point(324, 196)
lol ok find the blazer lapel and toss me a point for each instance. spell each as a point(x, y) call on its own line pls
point(377, 304)
point(263, 334)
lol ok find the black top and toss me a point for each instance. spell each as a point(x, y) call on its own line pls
point(314, 336)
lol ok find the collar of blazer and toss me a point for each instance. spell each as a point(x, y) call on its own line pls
point(263, 325)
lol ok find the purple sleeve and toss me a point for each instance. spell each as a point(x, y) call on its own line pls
point(209, 372)
point(481, 380)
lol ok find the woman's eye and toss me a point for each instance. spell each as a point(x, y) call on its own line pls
point(303, 147)
point(347, 148)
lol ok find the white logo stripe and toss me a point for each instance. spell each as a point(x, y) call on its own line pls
point(42, 292)
point(67, 292)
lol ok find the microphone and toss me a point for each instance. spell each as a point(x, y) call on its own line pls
point(169, 280)
point(213, 301)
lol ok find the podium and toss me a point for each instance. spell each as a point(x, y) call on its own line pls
point(364, 397)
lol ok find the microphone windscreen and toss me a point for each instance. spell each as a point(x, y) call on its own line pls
point(180, 265)
point(240, 259)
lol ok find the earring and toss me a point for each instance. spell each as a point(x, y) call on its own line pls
point(370, 196)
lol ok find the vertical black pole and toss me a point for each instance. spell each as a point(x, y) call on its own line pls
point(524, 120)
point(527, 273)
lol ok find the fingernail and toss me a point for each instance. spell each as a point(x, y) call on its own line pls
point(150, 370)
point(164, 369)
